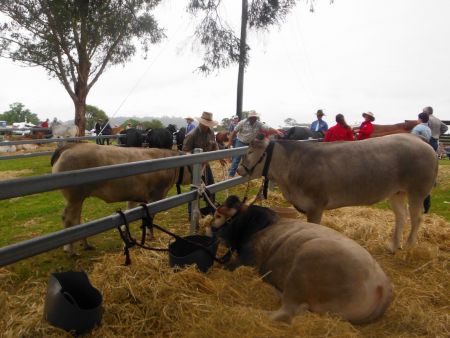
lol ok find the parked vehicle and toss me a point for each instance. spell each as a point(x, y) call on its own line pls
point(18, 126)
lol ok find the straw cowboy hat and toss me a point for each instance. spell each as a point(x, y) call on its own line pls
point(252, 113)
point(189, 118)
point(369, 115)
point(207, 120)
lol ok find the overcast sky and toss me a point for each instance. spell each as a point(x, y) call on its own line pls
point(388, 57)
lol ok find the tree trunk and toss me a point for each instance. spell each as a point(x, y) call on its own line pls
point(80, 119)
point(81, 92)
point(242, 58)
point(80, 106)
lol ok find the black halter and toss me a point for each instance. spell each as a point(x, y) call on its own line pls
point(267, 154)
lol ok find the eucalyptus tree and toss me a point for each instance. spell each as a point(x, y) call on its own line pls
point(222, 44)
point(18, 113)
point(76, 40)
point(93, 114)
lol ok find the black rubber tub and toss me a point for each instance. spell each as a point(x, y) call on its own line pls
point(183, 253)
point(72, 303)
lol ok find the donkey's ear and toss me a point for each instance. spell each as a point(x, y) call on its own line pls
point(223, 210)
point(233, 201)
point(260, 141)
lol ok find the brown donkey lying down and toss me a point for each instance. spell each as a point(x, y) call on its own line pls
point(314, 268)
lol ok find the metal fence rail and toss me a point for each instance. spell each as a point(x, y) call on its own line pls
point(59, 140)
point(43, 183)
point(32, 185)
point(15, 252)
point(35, 154)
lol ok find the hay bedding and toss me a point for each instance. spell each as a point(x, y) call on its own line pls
point(149, 299)
point(10, 174)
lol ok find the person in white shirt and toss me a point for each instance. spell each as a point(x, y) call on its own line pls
point(245, 132)
point(437, 127)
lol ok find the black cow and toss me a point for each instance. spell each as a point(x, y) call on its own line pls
point(160, 138)
point(301, 133)
point(132, 137)
point(179, 137)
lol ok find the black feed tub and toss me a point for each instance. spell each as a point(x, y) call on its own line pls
point(72, 303)
point(183, 252)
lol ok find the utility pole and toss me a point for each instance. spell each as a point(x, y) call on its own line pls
point(242, 57)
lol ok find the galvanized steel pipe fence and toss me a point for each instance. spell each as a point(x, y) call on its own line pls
point(38, 184)
point(49, 140)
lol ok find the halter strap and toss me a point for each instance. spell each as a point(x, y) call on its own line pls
point(265, 172)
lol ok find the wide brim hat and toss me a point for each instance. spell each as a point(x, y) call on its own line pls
point(189, 118)
point(252, 113)
point(370, 115)
point(320, 112)
point(207, 120)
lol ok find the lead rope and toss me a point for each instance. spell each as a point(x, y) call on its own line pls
point(202, 191)
point(147, 222)
point(130, 242)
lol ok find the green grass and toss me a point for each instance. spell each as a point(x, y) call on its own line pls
point(440, 195)
point(26, 217)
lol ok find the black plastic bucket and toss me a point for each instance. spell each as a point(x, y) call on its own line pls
point(72, 303)
point(182, 253)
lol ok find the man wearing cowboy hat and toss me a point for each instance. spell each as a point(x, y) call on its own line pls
point(319, 125)
point(203, 137)
point(245, 132)
point(190, 124)
point(365, 130)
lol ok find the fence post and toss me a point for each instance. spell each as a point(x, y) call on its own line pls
point(196, 181)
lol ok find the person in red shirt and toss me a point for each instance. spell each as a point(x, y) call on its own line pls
point(340, 132)
point(44, 124)
point(365, 130)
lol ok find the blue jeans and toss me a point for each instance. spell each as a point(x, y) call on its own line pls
point(434, 143)
point(235, 161)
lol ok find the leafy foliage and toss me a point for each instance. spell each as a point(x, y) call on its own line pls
point(92, 115)
point(76, 40)
point(153, 124)
point(265, 13)
point(18, 113)
point(221, 42)
point(291, 122)
point(225, 123)
point(133, 123)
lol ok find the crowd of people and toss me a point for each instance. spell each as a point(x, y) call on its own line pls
point(430, 128)
point(241, 133)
